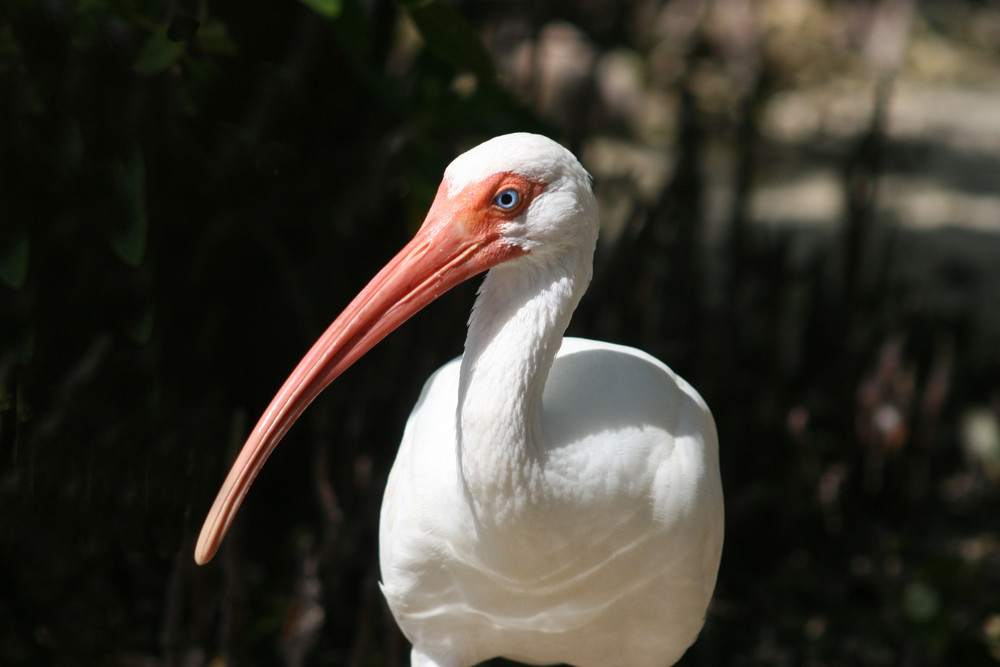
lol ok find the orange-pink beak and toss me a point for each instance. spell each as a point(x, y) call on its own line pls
point(459, 239)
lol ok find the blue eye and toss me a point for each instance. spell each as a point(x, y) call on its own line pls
point(507, 199)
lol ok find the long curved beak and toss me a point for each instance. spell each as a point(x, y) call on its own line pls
point(451, 246)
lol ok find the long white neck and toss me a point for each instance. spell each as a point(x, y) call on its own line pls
point(515, 331)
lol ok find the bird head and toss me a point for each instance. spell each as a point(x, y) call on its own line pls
point(515, 198)
point(525, 190)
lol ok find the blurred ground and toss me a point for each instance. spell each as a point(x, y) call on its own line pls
point(801, 204)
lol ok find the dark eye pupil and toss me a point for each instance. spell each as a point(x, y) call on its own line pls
point(506, 199)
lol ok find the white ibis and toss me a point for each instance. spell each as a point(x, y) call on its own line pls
point(554, 500)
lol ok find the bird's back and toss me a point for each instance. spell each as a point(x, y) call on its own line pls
point(616, 561)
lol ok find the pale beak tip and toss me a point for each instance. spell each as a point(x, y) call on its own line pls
point(205, 550)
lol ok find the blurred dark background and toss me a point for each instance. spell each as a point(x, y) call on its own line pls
point(801, 202)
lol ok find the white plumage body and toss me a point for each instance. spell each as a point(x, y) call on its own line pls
point(613, 562)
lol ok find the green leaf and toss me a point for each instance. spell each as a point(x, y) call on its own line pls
point(353, 35)
point(328, 8)
point(449, 36)
point(158, 53)
point(14, 262)
point(129, 240)
point(351, 27)
point(213, 37)
point(140, 327)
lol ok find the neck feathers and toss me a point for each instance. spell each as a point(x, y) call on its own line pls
point(515, 331)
